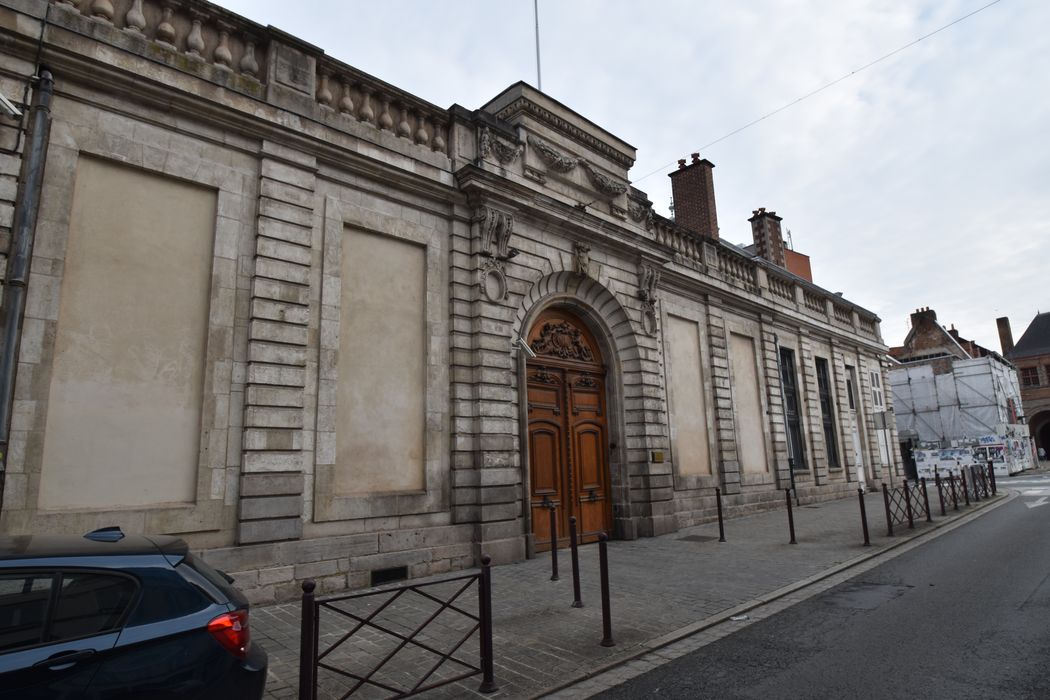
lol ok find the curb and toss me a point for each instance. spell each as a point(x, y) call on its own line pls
point(895, 548)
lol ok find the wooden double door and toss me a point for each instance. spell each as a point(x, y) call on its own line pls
point(568, 430)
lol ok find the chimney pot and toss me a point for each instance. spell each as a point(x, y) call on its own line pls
point(696, 157)
point(681, 163)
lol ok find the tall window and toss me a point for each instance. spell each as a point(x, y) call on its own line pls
point(827, 412)
point(876, 390)
point(849, 389)
point(791, 415)
point(1029, 376)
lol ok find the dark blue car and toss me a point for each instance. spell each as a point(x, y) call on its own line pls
point(114, 616)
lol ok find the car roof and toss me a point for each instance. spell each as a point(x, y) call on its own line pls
point(26, 547)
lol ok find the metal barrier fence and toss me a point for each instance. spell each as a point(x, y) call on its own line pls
point(350, 668)
point(905, 503)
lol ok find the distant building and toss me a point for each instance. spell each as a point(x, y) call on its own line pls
point(955, 401)
point(1031, 355)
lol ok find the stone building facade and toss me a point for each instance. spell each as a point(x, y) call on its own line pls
point(289, 312)
point(1032, 357)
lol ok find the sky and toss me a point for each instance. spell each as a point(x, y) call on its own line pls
point(923, 180)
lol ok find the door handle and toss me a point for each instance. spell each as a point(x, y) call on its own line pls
point(64, 659)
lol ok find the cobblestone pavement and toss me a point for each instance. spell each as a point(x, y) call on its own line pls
point(663, 588)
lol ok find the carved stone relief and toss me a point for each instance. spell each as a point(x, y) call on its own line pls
point(641, 212)
point(605, 184)
point(648, 278)
point(488, 144)
point(581, 262)
point(494, 230)
point(563, 341)
point(555, 159)
point(493, 280)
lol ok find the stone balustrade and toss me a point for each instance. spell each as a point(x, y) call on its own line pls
point(197, 32)
point(814, 302)
point(742, 272)
point(680, 240)
point(737, 270)
point(359, 96)
point(843, 315)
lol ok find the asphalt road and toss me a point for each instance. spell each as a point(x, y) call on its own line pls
point(966, 615)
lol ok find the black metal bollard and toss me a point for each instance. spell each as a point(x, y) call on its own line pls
point(889, 517)
point(554, 542)
point(863, 517)
point(307, 644)
point(966, 489)
point(991, 475)
point(488, 682)
point(940, 492)
point(721, 526)
point(955, 491)
point(603, 565)
point(926, 500)
point(576, 602)
point(791, 517)
point(907, 505)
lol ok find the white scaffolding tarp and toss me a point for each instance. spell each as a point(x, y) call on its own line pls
point(974, 404)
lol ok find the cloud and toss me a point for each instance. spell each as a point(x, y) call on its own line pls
point(921, 181)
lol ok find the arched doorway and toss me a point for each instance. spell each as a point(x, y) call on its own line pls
point(1040, 431)
point(567, 429)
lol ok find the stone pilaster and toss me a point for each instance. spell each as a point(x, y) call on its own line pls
point(487, 483)
point(276, 447)
point(725, 425)
point(645, 410)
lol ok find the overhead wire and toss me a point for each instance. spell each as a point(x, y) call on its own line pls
point(824, 87)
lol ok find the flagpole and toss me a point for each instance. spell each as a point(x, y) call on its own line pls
point(536, 14)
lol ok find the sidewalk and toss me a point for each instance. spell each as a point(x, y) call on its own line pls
point(662, 588)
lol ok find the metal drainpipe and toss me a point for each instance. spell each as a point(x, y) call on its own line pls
point(18, 263)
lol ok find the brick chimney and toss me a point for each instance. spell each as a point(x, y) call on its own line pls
point(1006, 336)
point(923, 316)
point(769, 242)
point(693, 191)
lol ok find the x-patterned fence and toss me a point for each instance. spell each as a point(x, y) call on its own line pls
point(905, 504)
point(910, 501)
point(427, 626)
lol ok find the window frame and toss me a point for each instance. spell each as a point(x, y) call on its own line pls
point(56, 575)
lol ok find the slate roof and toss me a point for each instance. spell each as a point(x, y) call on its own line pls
point(1036, 339)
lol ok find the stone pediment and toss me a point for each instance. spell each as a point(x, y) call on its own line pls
point(563, 150)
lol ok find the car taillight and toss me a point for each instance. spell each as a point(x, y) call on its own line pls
point(231, 631)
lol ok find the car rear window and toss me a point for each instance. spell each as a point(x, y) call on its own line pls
point(23, 609)
point(212, 576)
point(90, 603)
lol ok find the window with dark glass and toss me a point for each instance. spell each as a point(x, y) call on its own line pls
point(24, 600)
point(849, 388)
point(791, 413)
point(1029, 376)
point(89, 603)
point(827, 412)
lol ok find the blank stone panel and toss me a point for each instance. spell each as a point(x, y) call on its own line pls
point(381, 390)
point(692, 453)
point(747, 405)
point(124, 418)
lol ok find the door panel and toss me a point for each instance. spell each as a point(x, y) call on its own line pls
point(568, 436)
